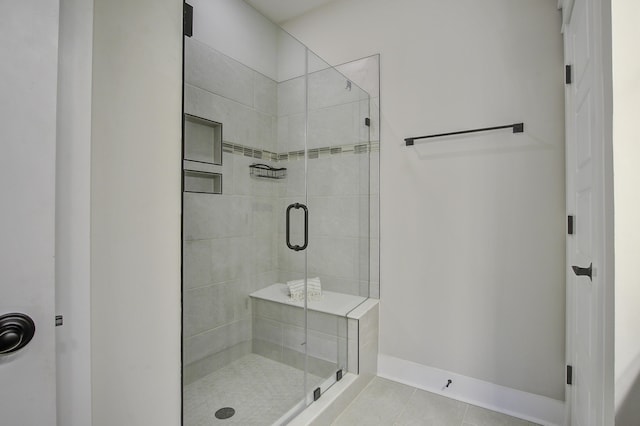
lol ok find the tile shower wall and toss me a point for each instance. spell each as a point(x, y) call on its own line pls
point(278, 330)
point(229, 243)
point(234, 242)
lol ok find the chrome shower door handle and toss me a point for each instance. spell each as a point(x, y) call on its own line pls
point(306, 226)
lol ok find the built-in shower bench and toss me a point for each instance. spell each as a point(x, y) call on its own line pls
point(342, 333)
point(339, 327)
point(330, 302)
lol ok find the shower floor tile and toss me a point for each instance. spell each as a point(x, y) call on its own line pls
point(258, 389)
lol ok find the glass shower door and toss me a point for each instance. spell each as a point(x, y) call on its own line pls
point(243, 338)
point(324, 247)
point(337, 194)
point(293, 217)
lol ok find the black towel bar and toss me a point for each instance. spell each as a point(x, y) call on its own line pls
point(517, 128)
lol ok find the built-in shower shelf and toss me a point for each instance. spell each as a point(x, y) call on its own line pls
point(329, 303)
point(202, 140)
point(202, 182)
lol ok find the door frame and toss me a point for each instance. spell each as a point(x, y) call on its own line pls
point(73, 213)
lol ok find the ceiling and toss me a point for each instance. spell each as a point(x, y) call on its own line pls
point(282, 10)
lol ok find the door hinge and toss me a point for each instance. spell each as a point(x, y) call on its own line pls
point(567, 74)
point(570, 224)
point(569, 375)
point(338, 375)
point(59, 320)
point(367, 122)
point(316, 394)
point(187, 13)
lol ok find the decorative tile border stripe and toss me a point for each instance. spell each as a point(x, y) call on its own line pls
point(313, 153)
point(237, 149)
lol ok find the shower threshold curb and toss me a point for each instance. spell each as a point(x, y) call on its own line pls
point(333, 401)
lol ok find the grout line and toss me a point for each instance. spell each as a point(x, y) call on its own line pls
point(464, 418)
point(250, 107)
point(404, 408)
point(205, 45)
point(315, 109)
point(353, 401)
point(241, 319)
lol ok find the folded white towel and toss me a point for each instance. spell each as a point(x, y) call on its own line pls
point(310, 286)
point(296, 289)
point(315, 280)
point(311, 283)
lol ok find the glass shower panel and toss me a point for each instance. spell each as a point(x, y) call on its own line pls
point(338, 200)
point(292, 207)
point(243, 342)
point(275, 224)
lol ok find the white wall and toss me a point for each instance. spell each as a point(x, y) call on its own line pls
point(626, 104)
point(239, 31)
point(135, 212)
point(472, 229)
point(73, 177)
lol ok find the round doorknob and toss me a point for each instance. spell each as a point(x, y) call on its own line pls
point(16, 331)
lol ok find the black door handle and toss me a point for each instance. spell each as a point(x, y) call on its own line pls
point(583, 271)
point(16, 331)
point(306, 226)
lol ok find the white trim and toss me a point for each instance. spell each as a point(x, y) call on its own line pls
point(536, 408)
point(73, 213)
point(567, 9)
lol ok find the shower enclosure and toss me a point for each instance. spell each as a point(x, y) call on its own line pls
point(276, 190)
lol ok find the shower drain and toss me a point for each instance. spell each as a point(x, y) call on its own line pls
point(225, 413)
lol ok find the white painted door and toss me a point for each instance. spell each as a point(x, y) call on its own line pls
point(28, 86)
point(585, 201)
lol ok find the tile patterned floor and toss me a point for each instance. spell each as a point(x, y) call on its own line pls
point(259, 389)
point(384, 402)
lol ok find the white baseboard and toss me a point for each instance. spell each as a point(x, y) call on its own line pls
point(524, 405)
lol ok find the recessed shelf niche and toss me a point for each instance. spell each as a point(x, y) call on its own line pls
point(202, 140)
point(202, 182)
